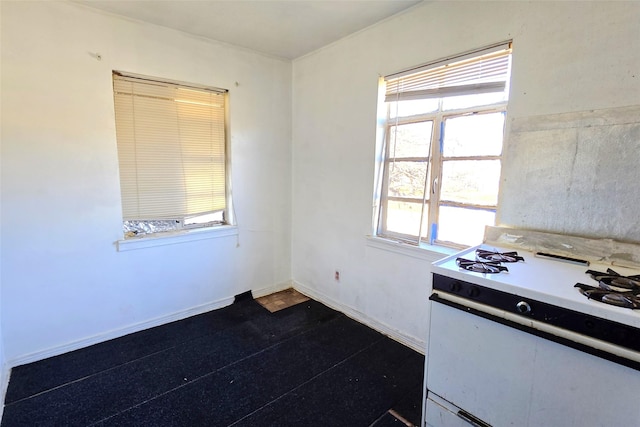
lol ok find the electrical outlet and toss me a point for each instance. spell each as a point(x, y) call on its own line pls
point(337, 276)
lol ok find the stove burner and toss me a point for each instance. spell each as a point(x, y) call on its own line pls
point(613, 288)
point(620, 299)
point(480, 267)
point(613, 281)
point(494, 256)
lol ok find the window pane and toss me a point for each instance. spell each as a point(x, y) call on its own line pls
point(412, 107)
point(467, 101)
point(406, 179)
point(476, 135)
point(463, 226)
point(410, 140)
point(206, 218)
point(471, 181)
point(403, 217)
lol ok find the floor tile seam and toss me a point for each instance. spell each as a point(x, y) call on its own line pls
point(69, 383)
point(193, 381)
point(313, 378)
point(165, 349)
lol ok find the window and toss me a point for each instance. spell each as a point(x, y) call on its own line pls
point(172, 154)
point(443, 130)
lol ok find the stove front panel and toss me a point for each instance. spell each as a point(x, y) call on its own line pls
point(504, 376)
point(525, 309)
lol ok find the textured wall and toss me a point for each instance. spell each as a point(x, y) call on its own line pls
point(575, 173)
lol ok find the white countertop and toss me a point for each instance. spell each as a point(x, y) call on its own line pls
point(544, 280)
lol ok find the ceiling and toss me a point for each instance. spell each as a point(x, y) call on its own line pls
point(287, 29)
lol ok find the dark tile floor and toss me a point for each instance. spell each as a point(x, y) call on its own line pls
point(306, 365)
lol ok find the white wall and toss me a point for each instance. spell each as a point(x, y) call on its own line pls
point(567, 57)
point(63, 281)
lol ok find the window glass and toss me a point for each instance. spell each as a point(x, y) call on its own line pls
point(407, 179)
point(474, 135)
point(215, 217)
point(410, 140)
point(471, 181)
point(403, 217)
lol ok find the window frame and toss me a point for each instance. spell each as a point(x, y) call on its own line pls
point(435, 162)
point(182, 224)
point(431, 199)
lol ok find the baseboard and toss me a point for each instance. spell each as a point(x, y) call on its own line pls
point(183, 314)
point(261, 292)
point(411, 342)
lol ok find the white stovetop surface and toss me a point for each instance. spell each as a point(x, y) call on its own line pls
point(544, 280)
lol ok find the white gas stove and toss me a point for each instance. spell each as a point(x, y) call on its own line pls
point(544, 279)
point(526, 347)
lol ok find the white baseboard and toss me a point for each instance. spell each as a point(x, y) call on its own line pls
point(55, 351)
point(257, 293)
point(411, 342)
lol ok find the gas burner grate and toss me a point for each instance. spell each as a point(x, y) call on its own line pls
point(620, 299)
point(616, 282)
point(480, 266)
point(495, 256)
point(613, 288)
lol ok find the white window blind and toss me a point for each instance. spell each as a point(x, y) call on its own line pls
point(171, 148)
point(481, 71)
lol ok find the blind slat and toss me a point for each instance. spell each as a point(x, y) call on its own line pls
point(486, 71)
point(171, 149)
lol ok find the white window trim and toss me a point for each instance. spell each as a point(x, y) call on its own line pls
point(193, 231)
point(424, 82)
point(437, 118)
point(425, 251)
point(171, 238)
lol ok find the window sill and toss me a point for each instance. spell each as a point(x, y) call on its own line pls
point(426, 252)
point(171, 238)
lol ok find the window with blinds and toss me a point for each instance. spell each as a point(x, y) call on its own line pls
point(442, 148)
point(481, 71)
point(171, 151)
